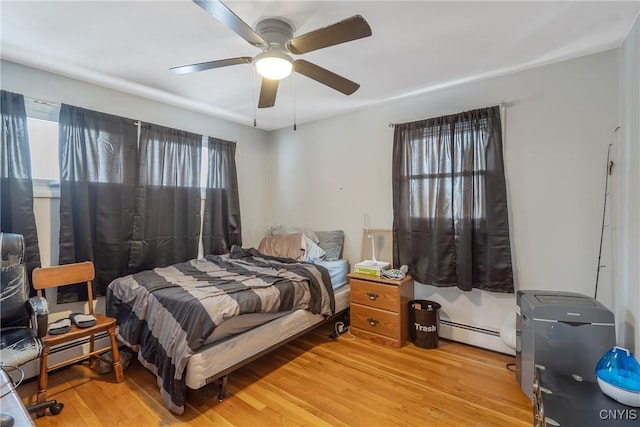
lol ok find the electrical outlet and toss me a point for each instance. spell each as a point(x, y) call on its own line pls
point(341, 328)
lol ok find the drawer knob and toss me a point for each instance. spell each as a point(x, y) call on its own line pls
point(372, 296)
point(372, 321)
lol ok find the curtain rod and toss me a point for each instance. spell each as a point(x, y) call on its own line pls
point(501, 104)
point(58, 105)
point(42, 101)
point(135, 122)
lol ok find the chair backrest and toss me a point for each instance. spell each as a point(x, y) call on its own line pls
point(63, 275)
point(14, 286)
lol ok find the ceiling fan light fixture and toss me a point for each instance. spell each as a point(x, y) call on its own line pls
point(273, 65)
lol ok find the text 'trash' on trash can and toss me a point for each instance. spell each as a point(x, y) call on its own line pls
point(423, 323)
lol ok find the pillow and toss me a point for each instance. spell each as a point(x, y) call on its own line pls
point(284, 246)
point(331, 242)
point(312, 251)
point(283, 229)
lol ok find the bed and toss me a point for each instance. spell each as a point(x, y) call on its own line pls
point(194, 323)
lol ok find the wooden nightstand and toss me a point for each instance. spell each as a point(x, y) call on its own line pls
point(379, 308)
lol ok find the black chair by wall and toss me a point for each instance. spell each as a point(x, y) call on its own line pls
point(23, 320)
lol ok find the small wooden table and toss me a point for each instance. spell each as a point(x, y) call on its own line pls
point(379, 308)
point(10, 403)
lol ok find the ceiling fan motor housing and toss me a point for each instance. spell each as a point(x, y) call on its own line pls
point(275, 32)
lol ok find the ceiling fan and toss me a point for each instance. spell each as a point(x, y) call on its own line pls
point(275, 37)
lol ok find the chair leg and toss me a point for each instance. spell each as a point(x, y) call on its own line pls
point(43, 378)
point(93, 360)
point(115, 353)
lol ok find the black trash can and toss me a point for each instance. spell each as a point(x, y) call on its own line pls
point(423, 323)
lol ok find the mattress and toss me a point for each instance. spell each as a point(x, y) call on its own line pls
point(210, 360)
point(338, 271)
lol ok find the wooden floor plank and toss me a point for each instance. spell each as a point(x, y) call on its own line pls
point(312, 381)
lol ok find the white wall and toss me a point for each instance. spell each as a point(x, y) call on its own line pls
point(560, 119)
point(627, 235)
point(330, 174)
point(252, 156)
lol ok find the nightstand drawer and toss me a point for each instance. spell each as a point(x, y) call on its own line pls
point(373, 294)
point(373, 320)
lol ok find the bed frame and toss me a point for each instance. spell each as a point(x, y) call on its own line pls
point(236, 340)
point(221, 376)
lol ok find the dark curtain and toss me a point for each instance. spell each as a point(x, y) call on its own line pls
point(97, 188)
point(16, 188)
point(166, 228)
point(450, 224)
point(221, 228)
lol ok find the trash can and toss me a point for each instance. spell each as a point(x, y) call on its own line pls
point(423, 323)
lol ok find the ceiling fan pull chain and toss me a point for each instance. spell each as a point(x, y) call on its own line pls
point(253, 100)
point(295, 126)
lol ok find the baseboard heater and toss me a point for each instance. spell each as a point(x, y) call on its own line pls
point(66, 351)
point(473, 335)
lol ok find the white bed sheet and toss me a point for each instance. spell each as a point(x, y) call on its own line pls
point(215, 358)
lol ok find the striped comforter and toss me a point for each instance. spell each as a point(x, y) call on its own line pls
point(169, 312)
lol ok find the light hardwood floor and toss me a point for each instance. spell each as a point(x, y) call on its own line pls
point(311, 381)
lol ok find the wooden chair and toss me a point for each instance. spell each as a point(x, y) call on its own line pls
point(68, 274)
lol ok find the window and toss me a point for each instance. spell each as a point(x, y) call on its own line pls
point(448, 159)
point(43, 142)
point(450, 222)
point(42, 123)
point(204, 165)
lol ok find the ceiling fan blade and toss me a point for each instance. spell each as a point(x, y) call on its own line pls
point(223, 13)
point(202, 66)
point(325, 77)
point(268, 93)
point(353, 28)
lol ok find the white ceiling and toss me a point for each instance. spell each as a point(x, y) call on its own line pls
point(416, 46)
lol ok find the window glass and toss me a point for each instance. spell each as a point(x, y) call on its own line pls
point(204, 163)
point(443, 163)
point(43, 142)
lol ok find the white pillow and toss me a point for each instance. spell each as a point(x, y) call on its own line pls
point(312, 251)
